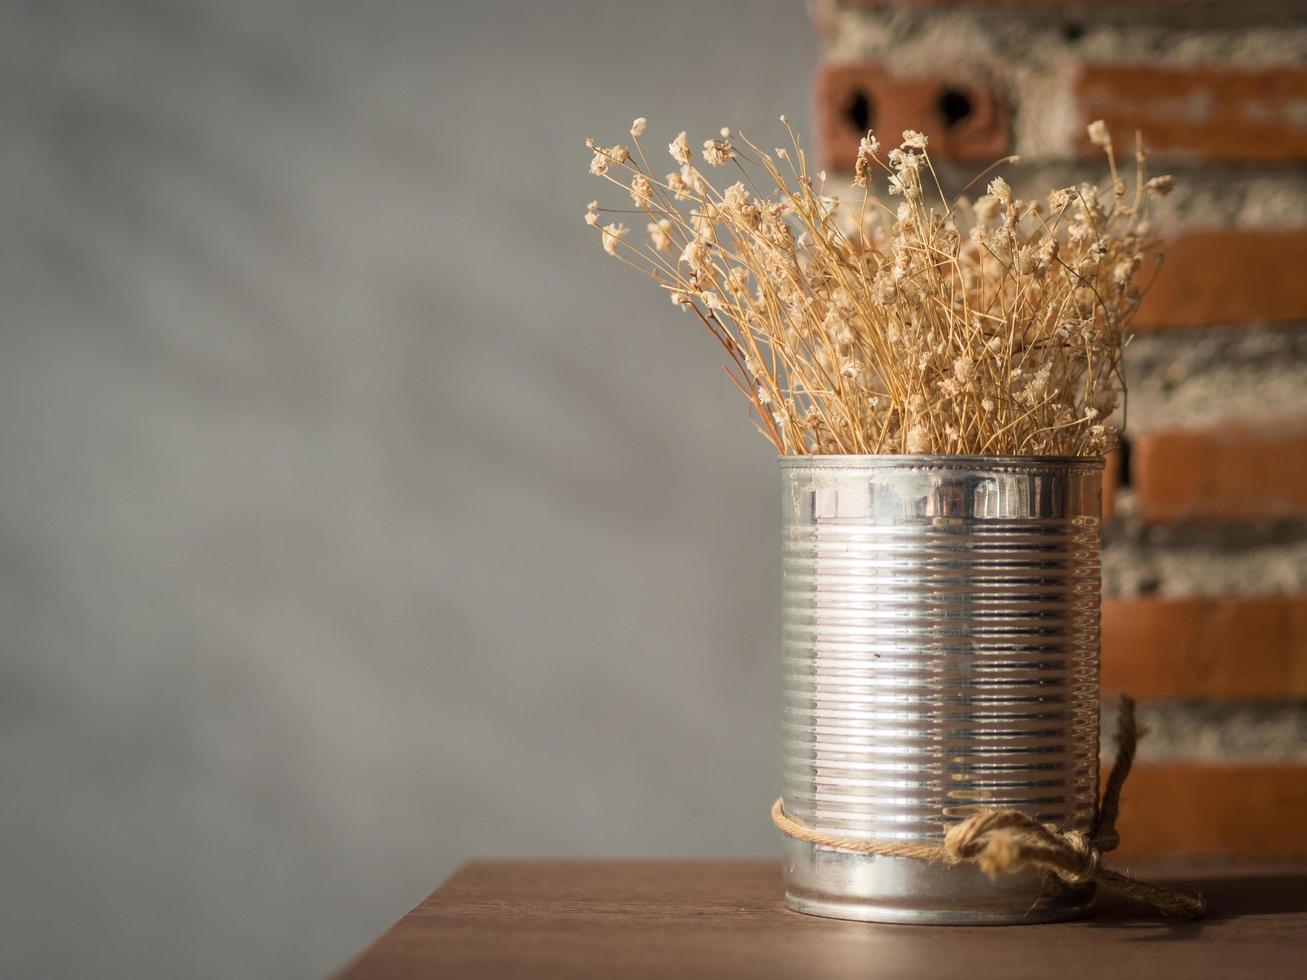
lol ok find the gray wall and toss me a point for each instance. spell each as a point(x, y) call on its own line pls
point(357, 515)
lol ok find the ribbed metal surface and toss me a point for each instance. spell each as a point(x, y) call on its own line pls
point(940, 625)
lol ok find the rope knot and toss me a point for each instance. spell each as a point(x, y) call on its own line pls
point(1087, 853)
point(1000, 841)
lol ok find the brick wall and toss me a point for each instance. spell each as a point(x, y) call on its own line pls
point(1205, 551)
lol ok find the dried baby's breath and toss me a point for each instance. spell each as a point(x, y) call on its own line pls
point(641, 195)
point(660, 234)
point(906, 324)
point(716, 152)
point(612, 235)
point(679, 148)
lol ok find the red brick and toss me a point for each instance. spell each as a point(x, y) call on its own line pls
point(897, 103)
point(1232, 473)
point(1221, 648)
point(1232, 276)
point(1234, 115)
point(1250, 811)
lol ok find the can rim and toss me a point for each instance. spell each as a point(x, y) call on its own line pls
point(887, 460)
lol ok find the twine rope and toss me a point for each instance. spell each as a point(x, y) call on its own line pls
point(999, 841)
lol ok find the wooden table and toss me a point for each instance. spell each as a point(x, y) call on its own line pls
point(617, 919)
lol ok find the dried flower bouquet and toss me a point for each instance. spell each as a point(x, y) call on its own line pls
point(897, 325)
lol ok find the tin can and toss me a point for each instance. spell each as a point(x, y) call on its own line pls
point(941, 652)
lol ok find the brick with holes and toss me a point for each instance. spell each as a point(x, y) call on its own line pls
point(962, 113)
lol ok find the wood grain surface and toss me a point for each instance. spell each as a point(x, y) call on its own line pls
point(581, 919)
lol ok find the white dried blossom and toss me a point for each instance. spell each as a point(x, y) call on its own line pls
point(697, 256)
point(914, 140)
point(868, 147)
point(1090, 208)
point(680, 299)
point(1098, 133)
point(641, 191)
point(1000, 189)
point(716, 152)
point(679, 188)
point(613, 234)
point(620, 154)
point(599, 164)
point(638, 127)
point(592, 213)
point(712, 300)
point(679, 148)
point(903, 161)
point(736, 197)
point(660, 234)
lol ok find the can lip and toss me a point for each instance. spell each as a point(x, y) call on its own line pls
point(867, 461)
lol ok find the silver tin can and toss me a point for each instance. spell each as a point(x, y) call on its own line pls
point(940, 620)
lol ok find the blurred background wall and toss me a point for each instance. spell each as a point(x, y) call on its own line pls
point(357, 516)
